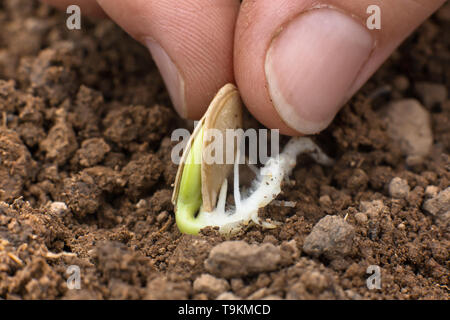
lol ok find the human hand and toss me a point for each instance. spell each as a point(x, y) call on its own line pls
point(295, 62)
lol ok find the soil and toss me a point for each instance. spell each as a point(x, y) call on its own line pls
point(85, 180)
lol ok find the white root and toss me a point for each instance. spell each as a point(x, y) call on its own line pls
point(265, 188)
point(237, 195)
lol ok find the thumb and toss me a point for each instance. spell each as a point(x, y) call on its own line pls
point(307, 60)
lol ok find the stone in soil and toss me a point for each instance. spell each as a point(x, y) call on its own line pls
point(232, 259)
point(439, 206)
point(408, 125)
point(399, 188)
point(331, 237)
point(361, 218)
point(210, 285)
point(58, 207)
point(228, 296)
point(372, 208)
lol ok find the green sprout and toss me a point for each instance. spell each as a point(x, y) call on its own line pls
point(190, 194)
point(200, 188)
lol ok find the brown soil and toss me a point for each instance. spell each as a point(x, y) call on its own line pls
point(85, 120)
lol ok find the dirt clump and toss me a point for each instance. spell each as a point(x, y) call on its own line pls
point(92, 152)
point(236, 258)
point(439, 207)
point(17, 166)
point(331, 237)
point(408, 124)
point(398, 188)
point(210, 285)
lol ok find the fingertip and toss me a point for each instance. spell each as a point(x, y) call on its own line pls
point(309, 73)
point(190, 41)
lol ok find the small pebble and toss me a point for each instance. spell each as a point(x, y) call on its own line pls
point(141, 204)
point(210, 285)
point(331, 237)
point(58, 207)
point(372, 208)
point(398, 188)
point(409, 127)
point(361, 218)
point(431, 191)
point(272, 297)
point(258, 294)
point(228, 296)
point(439, 205)
point(231, 259)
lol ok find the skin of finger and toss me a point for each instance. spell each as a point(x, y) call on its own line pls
point(88, 7)
point(197, 35)
point(260, 21)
